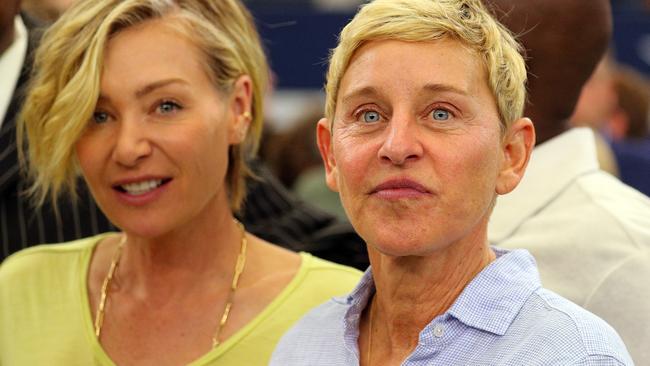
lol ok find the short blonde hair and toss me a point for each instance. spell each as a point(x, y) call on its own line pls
point(426, 20)
point(68, 66)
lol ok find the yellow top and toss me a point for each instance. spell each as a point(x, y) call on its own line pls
point(45, 317)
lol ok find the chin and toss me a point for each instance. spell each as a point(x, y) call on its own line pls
point(402, 246)
point(142, 228)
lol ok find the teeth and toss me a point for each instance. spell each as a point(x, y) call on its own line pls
point(141, 187)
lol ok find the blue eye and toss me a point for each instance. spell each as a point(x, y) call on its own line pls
point(100, 117)
point(167, 107)
point(440, 114)
point(371, 116)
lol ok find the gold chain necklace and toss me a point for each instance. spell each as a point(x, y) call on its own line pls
point(239, 268)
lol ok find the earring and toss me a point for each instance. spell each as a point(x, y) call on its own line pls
point(247, 115)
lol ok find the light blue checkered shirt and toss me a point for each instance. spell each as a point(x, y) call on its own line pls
point(502, 317)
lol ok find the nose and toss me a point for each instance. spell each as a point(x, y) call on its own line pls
point(401, 142)
point(132, 142)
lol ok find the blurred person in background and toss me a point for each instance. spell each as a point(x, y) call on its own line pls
point(629, 128)
point(423, 130)
point(597, 102)
point(631, 119)
point(616, 103)
point(589, 233)
point(598, 99)
point(162, 142)
point(294, 158)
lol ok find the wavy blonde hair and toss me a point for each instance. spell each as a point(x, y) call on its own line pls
point(66, 84)
point(425, 20)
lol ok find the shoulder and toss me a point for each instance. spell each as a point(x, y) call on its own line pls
point(628, 208)
point(317, 338)
point(602, 212)
point(45, 260)
point(318, 280)
point(320, 267)
point(624, 283)
point(318, 276)
point(557, 324)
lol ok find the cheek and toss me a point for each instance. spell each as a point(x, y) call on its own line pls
point(353, 160)
point(474, 170)
point(209, 150)
point(88, 151)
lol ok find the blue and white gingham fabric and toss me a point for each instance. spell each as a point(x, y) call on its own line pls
point(502, 317)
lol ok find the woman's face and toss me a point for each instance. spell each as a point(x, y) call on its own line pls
point(416, 151)
point(155, 152)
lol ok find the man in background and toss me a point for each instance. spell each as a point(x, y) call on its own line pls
point(589, 233)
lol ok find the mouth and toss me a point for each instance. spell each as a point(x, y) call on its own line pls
point(141, 187)
point(400, 188)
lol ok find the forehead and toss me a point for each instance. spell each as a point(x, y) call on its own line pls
point(408, 67)
point(152, 48)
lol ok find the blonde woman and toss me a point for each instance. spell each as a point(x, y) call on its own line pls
point(423, 131)
point(157, 104)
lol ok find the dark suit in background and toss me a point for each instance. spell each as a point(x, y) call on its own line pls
point(20, 224)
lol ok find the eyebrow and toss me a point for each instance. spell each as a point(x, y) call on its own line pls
point(445, 88)
point(148, 88)
point(371, 91)
point(157, 85)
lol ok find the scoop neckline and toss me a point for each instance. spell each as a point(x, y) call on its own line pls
point(212, 355)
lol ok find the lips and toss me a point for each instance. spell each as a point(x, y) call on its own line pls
point(400, 184)
point(396, 189)
point(138, 187)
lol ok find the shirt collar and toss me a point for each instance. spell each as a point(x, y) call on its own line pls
point(490, 302)
point(493, 299)
point(356, 302)
point(553, 166)
point(11, 64)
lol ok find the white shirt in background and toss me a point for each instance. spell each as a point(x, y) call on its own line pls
point(11, 63)
point(588, 232)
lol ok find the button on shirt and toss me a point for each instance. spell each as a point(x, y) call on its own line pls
point(502, 317)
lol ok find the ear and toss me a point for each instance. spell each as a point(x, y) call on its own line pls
point(324, 139)
point(241, 105)
point(517, 146)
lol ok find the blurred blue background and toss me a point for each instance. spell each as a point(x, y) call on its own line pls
point(298, 35)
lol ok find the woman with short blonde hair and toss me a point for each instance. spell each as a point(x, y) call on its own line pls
point(423, 130)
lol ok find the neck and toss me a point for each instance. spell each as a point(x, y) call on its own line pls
point(412, 291)
point(182, 260)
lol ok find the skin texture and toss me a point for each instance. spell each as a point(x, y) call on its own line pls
point(164, 132)
point(418, 161)
point(558, 65)
point(8, 11)
point(171, 285)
